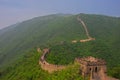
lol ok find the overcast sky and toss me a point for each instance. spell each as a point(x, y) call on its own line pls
point(13, 11)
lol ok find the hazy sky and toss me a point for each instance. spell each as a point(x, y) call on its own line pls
point(12, 11)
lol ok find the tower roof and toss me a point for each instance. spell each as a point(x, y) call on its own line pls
point(91, 61)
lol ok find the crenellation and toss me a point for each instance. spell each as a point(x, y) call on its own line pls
point(94, 68)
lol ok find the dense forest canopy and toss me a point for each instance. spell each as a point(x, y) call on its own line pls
point(56, 32)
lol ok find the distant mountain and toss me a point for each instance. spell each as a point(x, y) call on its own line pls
point(16, 41)
point(38, 31)
point(18, 38)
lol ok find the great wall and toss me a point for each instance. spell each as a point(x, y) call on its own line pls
point(89, 38)
point(89, 66)
point(47, 66)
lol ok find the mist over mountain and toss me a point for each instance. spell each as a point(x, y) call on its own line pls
point(49, 31)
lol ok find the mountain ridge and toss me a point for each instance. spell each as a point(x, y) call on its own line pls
point(29, 33)
point(18, 45)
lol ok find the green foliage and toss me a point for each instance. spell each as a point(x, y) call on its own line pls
point(115, 72)
point(14, 41)
point(57, 32)
point(27, 68)
point(66, 53)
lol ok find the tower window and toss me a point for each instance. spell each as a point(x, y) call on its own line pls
point(95, 69)
point(90, 69)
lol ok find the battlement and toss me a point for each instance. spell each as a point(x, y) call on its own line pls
point(90, 61)
point(86, 40)
point(92, 67)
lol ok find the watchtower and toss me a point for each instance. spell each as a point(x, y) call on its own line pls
point(93, 67)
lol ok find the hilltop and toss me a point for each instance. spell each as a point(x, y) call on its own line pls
point(36, 32)
point(57, 31)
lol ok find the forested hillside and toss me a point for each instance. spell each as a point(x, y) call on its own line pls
point(36, 32)
point(57, 32)
point(27, 68)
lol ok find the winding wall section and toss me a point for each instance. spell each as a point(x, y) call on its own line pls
point(47, 66)
point(51, 67)
point(86, 31)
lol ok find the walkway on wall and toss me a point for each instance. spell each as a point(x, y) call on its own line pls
point(47, 66)
point(102, 76)
point(51, 67)
point(86, 31)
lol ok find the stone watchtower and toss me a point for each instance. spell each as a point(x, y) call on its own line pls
point(92, 67)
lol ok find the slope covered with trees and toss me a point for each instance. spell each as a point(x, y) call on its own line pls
point(27, 68)
point(36, 32)
point(56, 32)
